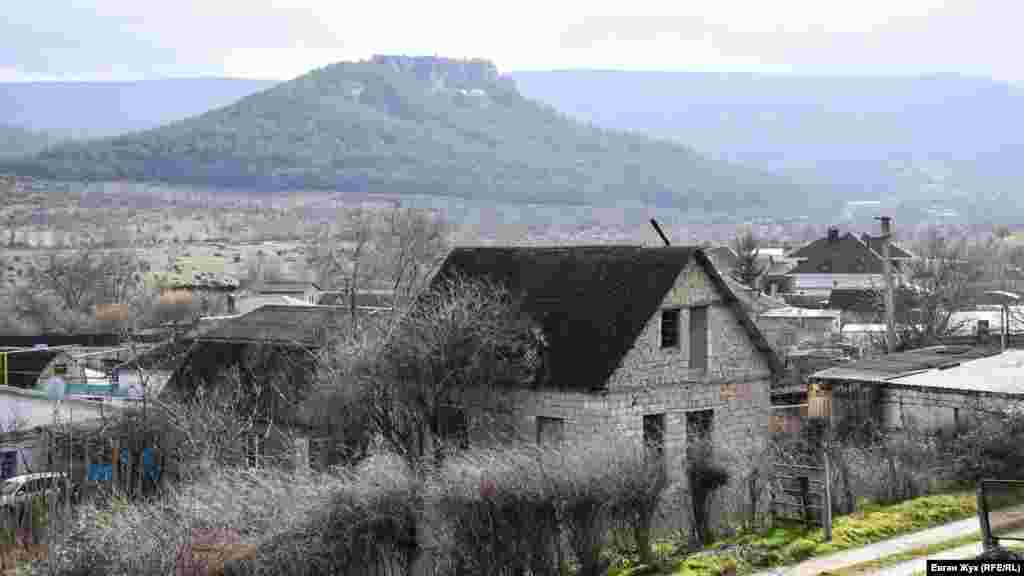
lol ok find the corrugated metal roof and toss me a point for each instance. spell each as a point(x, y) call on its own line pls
point(305, 325)
point(795, 312)
point(285, 287)
point(891, 366)
point(998, 374)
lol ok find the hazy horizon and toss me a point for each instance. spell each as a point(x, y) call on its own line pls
point(110, 40)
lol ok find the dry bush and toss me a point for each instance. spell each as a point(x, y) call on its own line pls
point(881, 468)
point(153, 537)
point(508, 509)
point(892, 469)
point(369, 519)
point(705, 474)
point(992, 448)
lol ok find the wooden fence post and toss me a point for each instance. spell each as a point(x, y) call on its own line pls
point(828, 499)
point(986, 530)
point(88, 464)
point(115, 464)
point(804, 498)
point(129, 478)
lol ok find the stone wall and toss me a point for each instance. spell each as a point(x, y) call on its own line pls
point(652, 380)
point(731, 354)
point(940, 411)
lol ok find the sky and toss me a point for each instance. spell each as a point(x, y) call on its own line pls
point(280, 39)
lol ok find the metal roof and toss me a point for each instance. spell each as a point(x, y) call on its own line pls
point(796, 312)
point(892, 366)
point(999, 374)
point(305, 325)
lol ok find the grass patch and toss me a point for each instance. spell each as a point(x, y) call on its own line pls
point(791, 544)
point(922, 551)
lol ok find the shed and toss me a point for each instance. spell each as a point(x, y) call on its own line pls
point(277, 338)
point(939, 388)
point(31, 367)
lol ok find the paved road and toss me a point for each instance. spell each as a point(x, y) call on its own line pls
point(936, 535)
point(920, 564)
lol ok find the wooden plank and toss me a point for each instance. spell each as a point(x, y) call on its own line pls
point(798, 505)
point(800, 467)
point(800, 493)
point(788, 477)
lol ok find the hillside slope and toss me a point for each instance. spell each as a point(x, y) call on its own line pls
point(101, 109)
point(418, 126)
point(15, 141)
point(929, 140)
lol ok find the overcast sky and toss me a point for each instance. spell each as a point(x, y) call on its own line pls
point(280, 39)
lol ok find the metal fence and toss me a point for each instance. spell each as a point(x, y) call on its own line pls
point(1001, 511)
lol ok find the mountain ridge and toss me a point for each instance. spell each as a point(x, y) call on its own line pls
point(418, 125)
point(909, 140)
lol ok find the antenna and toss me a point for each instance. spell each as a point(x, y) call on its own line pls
point(660, 233)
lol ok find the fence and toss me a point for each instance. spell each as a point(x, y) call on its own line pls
point(29, 523)
point(103, 461)
point(803, 494)
point(1001, 511)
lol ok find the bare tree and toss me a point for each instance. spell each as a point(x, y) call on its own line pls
point(418, 241)
point(396, 249)
point(461, 343)
point(941, 282)
point(69, 292)
point(747, 270)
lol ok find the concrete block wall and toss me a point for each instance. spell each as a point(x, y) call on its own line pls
point(731, 353)
point(653, 380)
point(936, 410)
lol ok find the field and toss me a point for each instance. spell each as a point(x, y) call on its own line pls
point(178, 231)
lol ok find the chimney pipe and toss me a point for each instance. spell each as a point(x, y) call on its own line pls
point(890, 314)
point(660, 233)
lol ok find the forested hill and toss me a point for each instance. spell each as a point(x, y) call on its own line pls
point(417, 125)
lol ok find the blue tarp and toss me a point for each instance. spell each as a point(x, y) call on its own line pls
point(105, 472)
point(149, 466)
point(101, 472)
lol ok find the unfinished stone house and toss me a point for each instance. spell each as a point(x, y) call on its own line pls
point(643, 343)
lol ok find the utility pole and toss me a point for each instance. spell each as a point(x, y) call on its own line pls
point(890, 313)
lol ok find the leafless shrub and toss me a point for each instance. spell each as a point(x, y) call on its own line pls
point(992, 448)
point(507, 509)
point(369, 519)
point(891, 469)
point(149, 537)
point(464, 341)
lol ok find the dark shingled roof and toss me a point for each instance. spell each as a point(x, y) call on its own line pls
point(591, 301)
point(890, 366)
point(304, 325)
point(846, 255)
